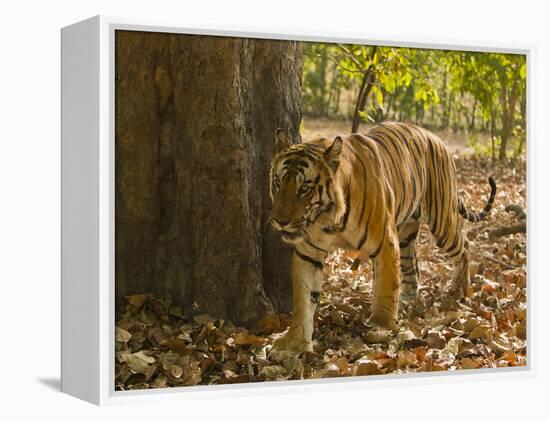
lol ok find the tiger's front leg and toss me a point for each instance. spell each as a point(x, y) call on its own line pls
point(386, 280)
point(307, 279)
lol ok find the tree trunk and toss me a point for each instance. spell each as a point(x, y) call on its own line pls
point(508, 100)
point(388, 110)
point(444, 101)
point(336, 110)
point(523, 111)
point(449, 111)
point(322, 74)
point(364, 91)
point(359, 104)
point(473, 116)
point(493, 153)
point(195, 121)
point(336, 89)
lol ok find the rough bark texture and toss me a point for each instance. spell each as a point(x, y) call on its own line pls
point(195, 118)
point(369, 78)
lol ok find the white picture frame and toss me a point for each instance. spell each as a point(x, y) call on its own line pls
point(88, 282)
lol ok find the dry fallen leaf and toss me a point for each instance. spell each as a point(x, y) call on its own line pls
point(365, 367)
point(405, 358)
point(177, 345)
point(138, 361)
point(138, 301)
point(122, 335)
point(176, 371)
point(242, 338)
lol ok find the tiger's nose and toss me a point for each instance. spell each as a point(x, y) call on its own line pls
point(277, 223)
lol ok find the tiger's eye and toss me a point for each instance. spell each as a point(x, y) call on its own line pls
point(304, 189)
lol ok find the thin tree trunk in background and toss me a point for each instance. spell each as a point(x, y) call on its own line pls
point(493, 154)
point(523, 123)
point(504, 122)
point(521, 145)
point(364, 91)
point(337, 101)
point(449, 110)
point(195, 118)
point(356, 121)
point(336, 90)
point(473, 116)
point(389, 106)
point(523, 109)
point(418, 113)
point(445, 115)
point(324, 102)
point(508, 101)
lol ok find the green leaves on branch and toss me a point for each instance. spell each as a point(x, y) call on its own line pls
point(523, 71)
point(460, 89)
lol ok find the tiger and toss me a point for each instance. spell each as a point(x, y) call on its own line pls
point(369, 192)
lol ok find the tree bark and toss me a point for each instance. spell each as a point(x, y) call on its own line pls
point(366, 86)
point(473, 117)
point(194, 126)
point(523, 121)
point(364, 91)
point(444, 102)
point(388, 110)
point(493, 152)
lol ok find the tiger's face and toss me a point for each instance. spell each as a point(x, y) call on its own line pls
point(302, 185)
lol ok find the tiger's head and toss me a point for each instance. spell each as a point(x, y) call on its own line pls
point(303, 186)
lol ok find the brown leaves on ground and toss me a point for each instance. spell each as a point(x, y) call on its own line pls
point(157, 346)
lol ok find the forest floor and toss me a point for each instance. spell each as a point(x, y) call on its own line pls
point(156, 346)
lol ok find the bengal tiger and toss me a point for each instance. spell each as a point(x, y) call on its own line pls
point(368, 192)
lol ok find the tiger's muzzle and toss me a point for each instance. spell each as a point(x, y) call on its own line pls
point(291, 232)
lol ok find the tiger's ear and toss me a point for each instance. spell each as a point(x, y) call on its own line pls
point(281, 140)
point(332, 153)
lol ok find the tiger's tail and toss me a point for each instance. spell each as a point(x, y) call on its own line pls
point(476, 217)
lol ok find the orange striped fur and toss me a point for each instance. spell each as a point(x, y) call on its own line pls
point(368, 192)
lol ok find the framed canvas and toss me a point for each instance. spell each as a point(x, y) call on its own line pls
point(246, 211)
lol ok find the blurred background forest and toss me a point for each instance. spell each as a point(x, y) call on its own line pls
point(475, 101)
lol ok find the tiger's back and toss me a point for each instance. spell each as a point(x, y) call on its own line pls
point(421, 170)
point(404, 166)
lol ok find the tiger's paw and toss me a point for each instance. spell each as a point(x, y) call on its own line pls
point(454, 292)
point(452, 297)
point(409, 293)
point(288, 345)
point(380, 331)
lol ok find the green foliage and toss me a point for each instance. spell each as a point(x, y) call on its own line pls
point(440, 89)
point(480, 148)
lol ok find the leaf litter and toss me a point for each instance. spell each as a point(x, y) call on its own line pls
point(157, 346)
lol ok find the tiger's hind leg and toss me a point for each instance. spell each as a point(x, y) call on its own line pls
point(408, 235)
point(455, 245)
point(461, 276)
